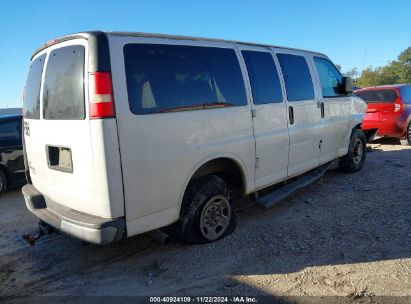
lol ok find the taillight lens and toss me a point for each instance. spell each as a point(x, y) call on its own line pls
point(397, 107)
point(100, 95)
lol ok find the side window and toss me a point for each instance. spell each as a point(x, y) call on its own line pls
point(173, 78)
point(297, 77)
point(63, 92)
point(31, 107)
point(265, 84)
point(10, 133)
point(330, 78)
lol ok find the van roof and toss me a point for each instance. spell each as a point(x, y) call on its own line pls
point(155, 35)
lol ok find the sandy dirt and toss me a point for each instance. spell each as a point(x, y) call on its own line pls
point(345, 235)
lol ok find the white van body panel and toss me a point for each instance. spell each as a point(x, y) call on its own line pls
point(355, 110)
point(95, 185)
point(336, 120)
point(270, 131)
point(136, 168)
point(306, 132)
point(160, 151)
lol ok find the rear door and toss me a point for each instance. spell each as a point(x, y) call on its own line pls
point(269, 115)
point(304, 113)
point(63, 163)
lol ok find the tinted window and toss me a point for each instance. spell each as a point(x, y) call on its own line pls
point(374, 96)
point(10, 132)
point(167, 78)
point(263, 75)
point(405, 93)
point(297, 78)
point(63, 92)
point(330, 77)
point(32, 89)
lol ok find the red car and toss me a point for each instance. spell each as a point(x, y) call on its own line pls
point(389, 111)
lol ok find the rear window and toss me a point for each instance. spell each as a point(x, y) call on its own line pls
point(31, 107)
point(297, 77)
point(263, 75)
point(374, 96)
point(63, 92)
point(170, 78)
point(405, 93)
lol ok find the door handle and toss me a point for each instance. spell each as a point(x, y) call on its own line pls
point(322, 110)
point(291, 115)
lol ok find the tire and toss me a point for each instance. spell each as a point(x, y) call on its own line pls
point(207, 214)
point(407, 141)
point(3, 181)
point(354, 160)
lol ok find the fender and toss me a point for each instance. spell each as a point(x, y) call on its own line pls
point(357, 114)
point(249, 184)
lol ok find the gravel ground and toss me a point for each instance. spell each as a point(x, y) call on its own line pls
point(345, 235)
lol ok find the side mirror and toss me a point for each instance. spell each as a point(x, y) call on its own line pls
point(347, 84)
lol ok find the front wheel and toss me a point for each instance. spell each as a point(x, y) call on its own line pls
point(207, 214)
point(3, 181)
point(407, 141)
point(354, 160)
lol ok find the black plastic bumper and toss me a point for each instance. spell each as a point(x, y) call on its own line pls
point(84, 226)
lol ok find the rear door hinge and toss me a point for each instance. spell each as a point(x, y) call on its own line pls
point(253, 113)
point(257, 162)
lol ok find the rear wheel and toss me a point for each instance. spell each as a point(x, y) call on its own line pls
point(3, 181)
point(353, 161)
point(207, 214)
point(407, 141)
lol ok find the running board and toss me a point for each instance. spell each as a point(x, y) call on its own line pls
point(281, 193)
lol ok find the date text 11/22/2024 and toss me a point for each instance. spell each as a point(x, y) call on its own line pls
point(240, 299)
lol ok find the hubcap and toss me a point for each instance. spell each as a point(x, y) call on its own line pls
point(215, 218)
point(357, 151)
point(409, 132)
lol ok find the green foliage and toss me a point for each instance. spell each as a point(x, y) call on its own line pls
point(397, 71)
point(353, 73)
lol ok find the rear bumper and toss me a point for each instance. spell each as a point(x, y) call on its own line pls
point(83, 226)
point(389, 128)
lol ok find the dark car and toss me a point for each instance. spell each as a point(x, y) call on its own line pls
point(11, 152)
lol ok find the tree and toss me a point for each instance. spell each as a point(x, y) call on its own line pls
point(353, 73)
point(369, 77)
point(397, 71)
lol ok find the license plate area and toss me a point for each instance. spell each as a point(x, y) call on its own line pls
point(59, 158)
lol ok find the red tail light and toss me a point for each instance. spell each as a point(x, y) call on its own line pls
point(100, 95)
point(397, 106)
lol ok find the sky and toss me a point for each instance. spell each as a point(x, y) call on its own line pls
point(352, 33)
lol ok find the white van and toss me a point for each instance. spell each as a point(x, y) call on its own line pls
point(129, 132)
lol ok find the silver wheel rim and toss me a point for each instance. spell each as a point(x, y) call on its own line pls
point(215, 218)
point(409, 132)
point(357, 151)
